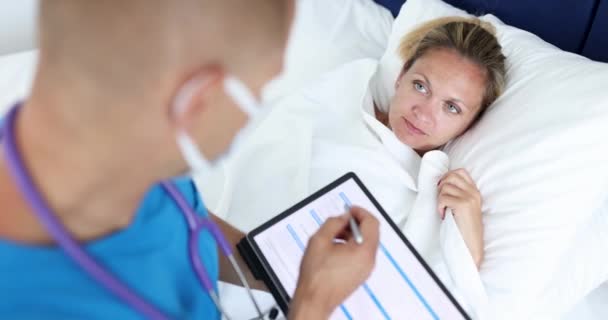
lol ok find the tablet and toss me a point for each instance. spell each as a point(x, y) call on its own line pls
point(401, 286)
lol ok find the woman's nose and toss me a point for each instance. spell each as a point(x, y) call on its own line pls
point(423, 113)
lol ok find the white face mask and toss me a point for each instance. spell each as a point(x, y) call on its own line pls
point(200, 165)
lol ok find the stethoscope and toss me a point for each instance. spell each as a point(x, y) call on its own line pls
point(104, 277)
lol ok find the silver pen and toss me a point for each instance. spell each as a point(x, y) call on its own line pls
point(354, 228)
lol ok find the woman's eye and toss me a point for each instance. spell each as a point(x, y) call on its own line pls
point(419, 87)
point(453, 109)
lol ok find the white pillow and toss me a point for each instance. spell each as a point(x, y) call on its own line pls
point(18, 25)
point(16, 75)
point(536, 156)
point(326, 34)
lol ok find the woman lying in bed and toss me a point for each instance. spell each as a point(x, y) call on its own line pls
point(454, 70)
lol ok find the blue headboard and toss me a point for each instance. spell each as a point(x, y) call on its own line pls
point(579, 26)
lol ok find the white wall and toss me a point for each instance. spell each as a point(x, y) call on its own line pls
point(17, 25)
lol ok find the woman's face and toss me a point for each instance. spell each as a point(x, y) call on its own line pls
point(436, 99)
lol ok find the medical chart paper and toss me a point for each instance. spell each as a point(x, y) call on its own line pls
point(399, 287)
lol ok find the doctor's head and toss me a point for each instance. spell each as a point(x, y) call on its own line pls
point(131, 64)
point(454, 69)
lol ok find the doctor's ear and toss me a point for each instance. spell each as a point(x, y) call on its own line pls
point(190, 98)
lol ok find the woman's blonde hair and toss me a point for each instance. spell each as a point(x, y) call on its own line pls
point(471, 38)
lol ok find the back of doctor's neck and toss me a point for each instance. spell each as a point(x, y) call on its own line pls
point(93, 174)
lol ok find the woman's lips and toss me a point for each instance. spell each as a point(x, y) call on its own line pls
point(413, 129)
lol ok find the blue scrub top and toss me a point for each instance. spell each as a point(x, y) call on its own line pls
point(151, 255)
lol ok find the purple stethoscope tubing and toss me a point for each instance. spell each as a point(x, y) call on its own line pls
point(104, 277)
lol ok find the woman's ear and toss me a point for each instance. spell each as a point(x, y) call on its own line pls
point(399, 78)
point(398, 81)
point(190, 97)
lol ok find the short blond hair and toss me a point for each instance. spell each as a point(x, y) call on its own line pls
point(472, 38)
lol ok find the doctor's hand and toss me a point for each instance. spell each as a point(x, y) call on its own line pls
point(330, 271)
point(458, 191)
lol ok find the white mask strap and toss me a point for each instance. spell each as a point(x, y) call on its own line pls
point(241, 95)
point(190, 152)
point(198, 163)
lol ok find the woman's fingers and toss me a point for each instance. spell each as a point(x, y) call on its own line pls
point(466, 187)
point(458, 179)
point(447, 201)
point(464, 174)
point(458, 191)
point(453, 190)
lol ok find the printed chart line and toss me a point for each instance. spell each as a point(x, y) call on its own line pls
point(297, 239)
point(369, 292)
point(400, 270)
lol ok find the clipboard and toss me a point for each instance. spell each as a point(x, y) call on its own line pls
point(273, 252)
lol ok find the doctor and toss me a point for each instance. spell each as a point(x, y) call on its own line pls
point(126, 95)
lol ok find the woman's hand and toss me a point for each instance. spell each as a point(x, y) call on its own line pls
point(330, 271)
point(458, 191)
